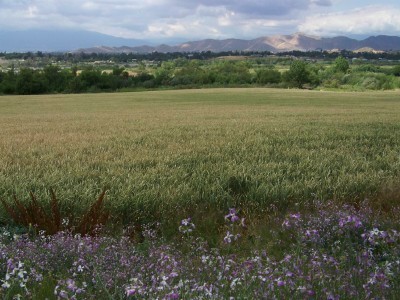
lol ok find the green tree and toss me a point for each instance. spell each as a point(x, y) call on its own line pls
point(31, 82)
point(265, 76)
point(57, 79)
point(7, 86)
point(76, 85)
point(396, 70)
point(2, 76)
point(231, 72)
point(91, 78)
point(298, 74)
point(117, 71)
point(341, 64)
point(74, 71)
point(163, 74)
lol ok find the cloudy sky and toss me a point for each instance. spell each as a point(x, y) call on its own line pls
point(187, 19)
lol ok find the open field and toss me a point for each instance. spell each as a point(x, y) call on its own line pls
point(242, 193)
point(177, 151)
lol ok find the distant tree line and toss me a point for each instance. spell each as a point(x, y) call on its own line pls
point(76, 57)
point(191, 73)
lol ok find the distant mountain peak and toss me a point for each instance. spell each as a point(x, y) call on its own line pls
point(88, 42)
point(275, 43)
point(302, 34)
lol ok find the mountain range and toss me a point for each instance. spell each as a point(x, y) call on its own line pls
point(89, 42)
point(276, 43)
point(60, 40)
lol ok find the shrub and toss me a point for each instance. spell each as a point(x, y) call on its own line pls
point(298, 74)
point(370, 81)
point(368, 68)
point(396, 70)
point(265, 76)
point(34, 214)
point(341, 64)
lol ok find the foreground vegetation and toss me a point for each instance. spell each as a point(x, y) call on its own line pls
point(337, 253)
point(257, 193)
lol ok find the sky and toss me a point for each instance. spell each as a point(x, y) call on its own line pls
point(217, 19)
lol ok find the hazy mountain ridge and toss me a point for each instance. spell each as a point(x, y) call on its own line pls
point(88, 42)
point(276, 43)
point(63, 40)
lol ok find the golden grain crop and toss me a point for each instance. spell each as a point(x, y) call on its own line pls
point(173, 149)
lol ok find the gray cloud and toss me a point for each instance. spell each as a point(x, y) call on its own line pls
point(154, 9)
point(322, 2)
point(256, 7)
point(153, 19)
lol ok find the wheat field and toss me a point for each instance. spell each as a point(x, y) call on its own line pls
point(163, 153)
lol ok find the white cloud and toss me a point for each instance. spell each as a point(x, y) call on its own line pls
point(255, 7)
point(368, 20)
point(153, 19)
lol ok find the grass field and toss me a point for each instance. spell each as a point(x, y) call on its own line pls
point(222, 193)
point(165, 154)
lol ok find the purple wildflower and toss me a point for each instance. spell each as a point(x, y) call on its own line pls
point(232, 216)
point(173, 295)
point(228, 238)
point(130, 292)
point(186, 226)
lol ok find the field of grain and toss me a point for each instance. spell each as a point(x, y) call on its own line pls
point(165, 153)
